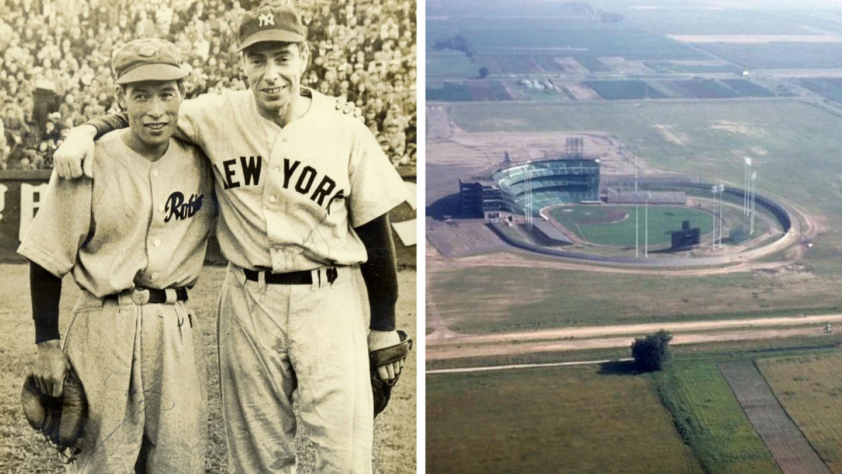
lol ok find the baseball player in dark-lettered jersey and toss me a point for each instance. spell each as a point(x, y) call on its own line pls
point(304, 196)
point(134, 239)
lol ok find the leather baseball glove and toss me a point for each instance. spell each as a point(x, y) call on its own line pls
point(381, 390)
point(60, 419)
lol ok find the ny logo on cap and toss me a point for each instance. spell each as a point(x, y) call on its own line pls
point(267, 19)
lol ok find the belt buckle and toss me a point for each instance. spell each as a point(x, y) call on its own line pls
point(140, 296)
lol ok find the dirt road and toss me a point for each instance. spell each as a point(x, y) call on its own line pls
point(454, 346)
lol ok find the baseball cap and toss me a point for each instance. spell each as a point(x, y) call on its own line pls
point(148, 59)
point(271, 23)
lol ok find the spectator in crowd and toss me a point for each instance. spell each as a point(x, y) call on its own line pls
point(362, 50)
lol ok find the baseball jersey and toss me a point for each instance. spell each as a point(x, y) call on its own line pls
point(137, 223)
point(290, 197)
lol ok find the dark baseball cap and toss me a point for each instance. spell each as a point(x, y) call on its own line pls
point(148, 59)
point(271, 23)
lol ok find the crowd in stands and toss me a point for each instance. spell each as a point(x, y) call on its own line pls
point(55, 64)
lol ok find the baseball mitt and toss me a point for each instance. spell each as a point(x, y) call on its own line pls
point(381, 390)
point(60, 419)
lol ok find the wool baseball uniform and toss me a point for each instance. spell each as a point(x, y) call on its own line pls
point(137, 224)
point(290, 199)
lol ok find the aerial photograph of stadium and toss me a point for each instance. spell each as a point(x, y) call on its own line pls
point(633, 251)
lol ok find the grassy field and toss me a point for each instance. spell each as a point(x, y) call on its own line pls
point(810, 390)
point(559, 298)
point(23, 451)
point(711, 420)
point(589, 223)
point(564, 420)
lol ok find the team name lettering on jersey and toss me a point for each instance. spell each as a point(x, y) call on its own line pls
point(301, 179)
point(176, 207)
point(250, 167)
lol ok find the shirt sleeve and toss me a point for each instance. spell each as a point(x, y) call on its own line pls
point(376, 187)
point(61, 226)
point(195, 112)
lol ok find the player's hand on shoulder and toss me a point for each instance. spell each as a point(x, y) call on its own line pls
point(51, 365)
point(381, 340)
point(75, 156)
point(349, 108)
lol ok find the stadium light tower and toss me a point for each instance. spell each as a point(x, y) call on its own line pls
point(636, 212)
point(713, 190)
point(746, 184)
point(646, 226)
point(753, 197)
point(721, 212)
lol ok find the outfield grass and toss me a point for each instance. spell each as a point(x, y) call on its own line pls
point(563, 420)
point(23, 451)
point(662, 220)
point(711, 421)
point(810, 390)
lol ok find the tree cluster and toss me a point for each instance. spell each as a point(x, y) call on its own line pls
point(652, 352)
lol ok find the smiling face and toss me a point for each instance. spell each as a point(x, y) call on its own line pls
point(274, 72)
point(152, 108)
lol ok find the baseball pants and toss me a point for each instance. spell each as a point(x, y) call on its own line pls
point(144, 383)
point(309, 340)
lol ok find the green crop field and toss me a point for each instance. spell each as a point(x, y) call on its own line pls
point(711, 420)
point(572, 420)
point(669, 66)
point(778, 55)
point(593, 223)
point(810, 390)
point(624, 90)
point(508, 35)
point(451, 64)
point(716, 21)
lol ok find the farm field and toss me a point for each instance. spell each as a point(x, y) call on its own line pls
point(711, 420)
point(809, 389)
point(573, 420)
point(451, 64)
point(615, 225)
point(785, 441)
point(721, 21)
point(624, 90)
point(747, 88)
point(704, 89)
point(830, 88)
point(690, 67)
point(778, 55)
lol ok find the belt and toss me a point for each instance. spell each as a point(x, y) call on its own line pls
point(290, 278)
point(142, 296)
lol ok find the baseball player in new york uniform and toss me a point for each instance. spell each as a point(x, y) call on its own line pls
point(304, 195)
point(134, 239)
